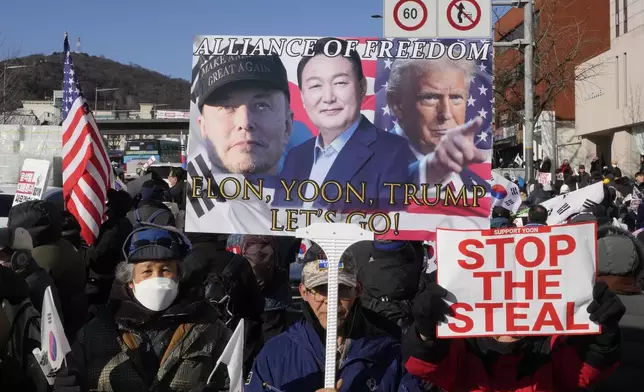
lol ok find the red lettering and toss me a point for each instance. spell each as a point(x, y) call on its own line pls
point(469, 324)
point(489, 313)
point(510, 285)
point(512, 316)
point(478, 258)
point(555, 252)
point(543, 284)
point(520, 252)
point(548, 309)
point(500, 248)
point(487, 282)
point(570, 319)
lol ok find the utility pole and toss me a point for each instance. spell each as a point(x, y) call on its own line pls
point(527, 44)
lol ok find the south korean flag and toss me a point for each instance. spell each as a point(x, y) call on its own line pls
point(562, 207)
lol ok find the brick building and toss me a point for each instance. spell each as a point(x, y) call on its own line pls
point(567, 33)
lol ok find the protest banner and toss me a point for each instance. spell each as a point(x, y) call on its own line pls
point(543, 178)
point(32, 181)
point(533, 280)
point(255, 119)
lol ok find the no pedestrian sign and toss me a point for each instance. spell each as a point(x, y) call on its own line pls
point(437, 18)
point(465, 18)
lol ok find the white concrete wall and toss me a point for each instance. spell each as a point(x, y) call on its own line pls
point(625, 152)
point(610, 87)
point(634, 16)
point(570, 146)
point(18, 143)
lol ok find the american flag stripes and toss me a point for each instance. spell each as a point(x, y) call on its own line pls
point(87, 172)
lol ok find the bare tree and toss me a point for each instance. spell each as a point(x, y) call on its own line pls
point(633, 112)
point(9, 82)
point(563, 38)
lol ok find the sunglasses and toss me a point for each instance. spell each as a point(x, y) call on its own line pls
point(155, 236)
point(165, 242)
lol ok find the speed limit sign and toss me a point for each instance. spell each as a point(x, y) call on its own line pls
point(410, 19)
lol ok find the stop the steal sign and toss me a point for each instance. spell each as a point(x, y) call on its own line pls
point(534, 280)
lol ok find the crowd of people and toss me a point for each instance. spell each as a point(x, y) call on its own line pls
point(148, 307)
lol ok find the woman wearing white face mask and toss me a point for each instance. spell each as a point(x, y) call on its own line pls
point(154, 334)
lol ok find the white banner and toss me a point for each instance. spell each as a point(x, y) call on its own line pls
point(563, 206)
point(171, 114)
point(32, 181)
point(534, 280)
point(544, 178)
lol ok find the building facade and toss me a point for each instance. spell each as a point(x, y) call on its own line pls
point(610, 106)
point(566, 33)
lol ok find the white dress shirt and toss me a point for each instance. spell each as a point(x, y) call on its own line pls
point(323, 158)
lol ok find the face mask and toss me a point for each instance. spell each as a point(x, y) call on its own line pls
point(156, 294)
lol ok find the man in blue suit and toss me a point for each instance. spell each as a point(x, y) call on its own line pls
point(349, 149)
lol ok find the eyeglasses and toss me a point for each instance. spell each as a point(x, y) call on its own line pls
point(320, 293)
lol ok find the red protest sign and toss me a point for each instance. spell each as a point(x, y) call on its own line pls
point(518, 281)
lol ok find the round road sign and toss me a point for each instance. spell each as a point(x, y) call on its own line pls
point(412, 16)
point(467, 21)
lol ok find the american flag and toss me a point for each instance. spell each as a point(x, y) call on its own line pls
point(87, 172)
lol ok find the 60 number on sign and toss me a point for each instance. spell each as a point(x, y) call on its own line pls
point(410, 15)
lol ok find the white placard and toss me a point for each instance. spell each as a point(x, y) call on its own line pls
point(464, 18)
point(32, 181)
point(410, 19)
point(533, 280)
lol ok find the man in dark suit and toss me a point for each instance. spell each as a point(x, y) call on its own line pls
point(349, 149)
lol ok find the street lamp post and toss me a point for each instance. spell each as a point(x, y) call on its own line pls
point(96, 96)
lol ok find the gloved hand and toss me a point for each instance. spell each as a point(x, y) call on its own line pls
point(606, 309)
point(429, 308)
point(13, 288)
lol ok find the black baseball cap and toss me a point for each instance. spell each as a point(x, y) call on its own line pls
point(217, 72)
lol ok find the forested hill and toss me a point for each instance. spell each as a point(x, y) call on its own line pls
point(135, 84)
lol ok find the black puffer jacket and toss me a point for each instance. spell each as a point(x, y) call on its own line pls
point(19, 370)
point(389, 272)
point(228, 283)
point(621, 266)
point(38, 280)
point(57, 256)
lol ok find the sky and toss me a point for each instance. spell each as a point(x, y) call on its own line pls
point(158, 34)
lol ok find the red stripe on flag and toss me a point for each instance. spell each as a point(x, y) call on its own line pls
point(369, 68)
point(369, 103)
point(99, 182)
point(460, 209)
